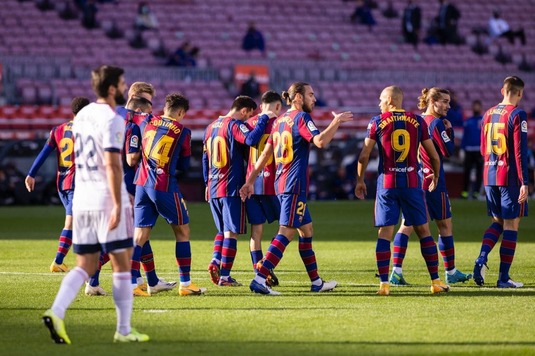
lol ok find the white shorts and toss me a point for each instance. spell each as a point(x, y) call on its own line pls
point(90, 233)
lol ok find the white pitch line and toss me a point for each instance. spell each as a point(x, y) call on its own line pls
point(287, 282)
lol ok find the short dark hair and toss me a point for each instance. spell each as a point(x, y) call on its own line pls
point(78, 103)
point(103, 77)
point(175, 101)
point(513, 84)
point(139, 102)
point(271, 96)
point(243, 101)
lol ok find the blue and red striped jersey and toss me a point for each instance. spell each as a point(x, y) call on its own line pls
point(165, 143)
point(291, 135)
point(224, 154)
point(61, 139)
point(265, 182)
point(504, 146)
point(132, 144)
point(444, 144)
point(398, 135)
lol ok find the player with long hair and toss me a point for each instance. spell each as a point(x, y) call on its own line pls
point(436, 102)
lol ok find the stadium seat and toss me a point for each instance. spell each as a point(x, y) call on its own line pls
point(340, 51)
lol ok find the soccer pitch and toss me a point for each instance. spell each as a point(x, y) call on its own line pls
point(232, 321)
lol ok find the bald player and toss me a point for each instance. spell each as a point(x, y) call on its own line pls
point(398, 135)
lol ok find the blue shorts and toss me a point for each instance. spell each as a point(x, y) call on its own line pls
point(294, 210)
point(149, 203)
point(438, 204)
point(262, 208)
point(229, 214)
point(502, 202)
point(390, 202)
point(66, 199)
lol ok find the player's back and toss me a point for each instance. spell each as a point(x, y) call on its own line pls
point(398, 135)
point(61, 138)
point(504, 145)
point(226, 157)
point(164, 141)
point(96, 129)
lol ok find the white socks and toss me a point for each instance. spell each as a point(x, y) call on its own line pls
point(123, 298)
point(70, 286)
point(452, 272)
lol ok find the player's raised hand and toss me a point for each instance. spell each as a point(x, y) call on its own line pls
point(30, 183)
point(268, 113)
point(447, 124)
point(246, 191)
point(360, 190)
point(343, 116)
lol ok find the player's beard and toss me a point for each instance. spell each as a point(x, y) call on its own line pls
point(120, 99)
point(307, 108)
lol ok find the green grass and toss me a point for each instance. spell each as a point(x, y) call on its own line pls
point(350, 320)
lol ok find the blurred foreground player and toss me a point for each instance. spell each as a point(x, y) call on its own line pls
point(101, 207)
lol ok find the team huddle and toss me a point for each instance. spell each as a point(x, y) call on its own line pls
point(255, 169)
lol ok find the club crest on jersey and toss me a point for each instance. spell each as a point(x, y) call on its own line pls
point(134, 141)
point(244, 128)
point(445, 136)
point(524, 126)
point(311, 126)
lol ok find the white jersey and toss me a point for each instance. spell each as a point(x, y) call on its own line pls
point(96, 129)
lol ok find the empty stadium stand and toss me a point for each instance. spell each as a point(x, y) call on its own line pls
point(46, 60)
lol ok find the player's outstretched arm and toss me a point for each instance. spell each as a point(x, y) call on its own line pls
point(39, 160)
point(435, 162)
point(364, 158)
point(324, 138)
point(253, 137)
point(30, 183)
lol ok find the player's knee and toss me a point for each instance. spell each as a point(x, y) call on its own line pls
point(422, 230)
